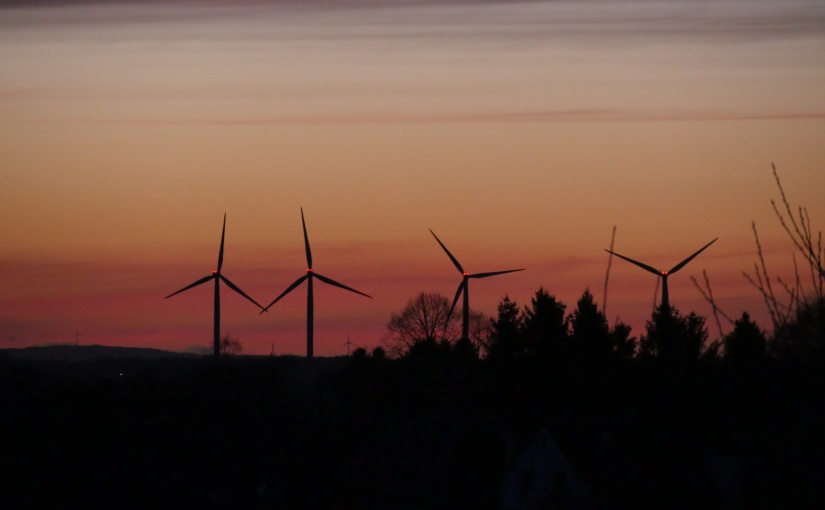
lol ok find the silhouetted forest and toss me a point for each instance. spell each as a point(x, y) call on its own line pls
point(559, 411)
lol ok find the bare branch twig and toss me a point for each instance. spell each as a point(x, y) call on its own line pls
point(607, 274)
point(709, 298)
point(655, 294)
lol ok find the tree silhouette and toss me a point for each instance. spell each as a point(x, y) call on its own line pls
point(746, 343)
point(809, 321)
point(465, 349)
point(507, 336)
point(589, 332)
point(480, 332)
point(230, 346)
point(544, 324)
point(624, 345)
point(592, 337)
point(423, 319)
point(803, 337)
point(672, 337)
point(379, 353)
point(430, 349)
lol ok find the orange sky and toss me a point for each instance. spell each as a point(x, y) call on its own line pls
point(519, 132)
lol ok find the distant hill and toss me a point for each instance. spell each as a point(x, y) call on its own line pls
point(89, 352)
point(96, 362)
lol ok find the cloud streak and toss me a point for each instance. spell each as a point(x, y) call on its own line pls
point(363, 63)
point(488, 22)
point(480, 118)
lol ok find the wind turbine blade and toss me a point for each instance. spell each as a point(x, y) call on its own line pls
point(202, 280)
point(493, 273)
point(336, 284)
point(455, 261)
point(455, 300)
point(682, 264)
point(289, 289)
point(306, 240)
point(220, 252)
point(643, 266)
point(239, 291)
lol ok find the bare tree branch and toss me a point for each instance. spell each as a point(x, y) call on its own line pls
point(424, 318)
point(709, 298)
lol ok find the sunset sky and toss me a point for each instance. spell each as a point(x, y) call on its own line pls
point(519, 132)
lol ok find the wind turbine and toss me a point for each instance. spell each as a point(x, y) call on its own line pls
point(310, 274)
point(464, 287)
point(217, 276)
point(663, 274)
point(349, 344)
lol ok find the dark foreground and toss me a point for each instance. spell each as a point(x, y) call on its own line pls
point(430, 433)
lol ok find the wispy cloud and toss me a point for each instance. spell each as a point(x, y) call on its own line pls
point(479, 118)
point(471, 20)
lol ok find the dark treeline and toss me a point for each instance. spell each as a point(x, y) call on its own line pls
point(556, 410)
